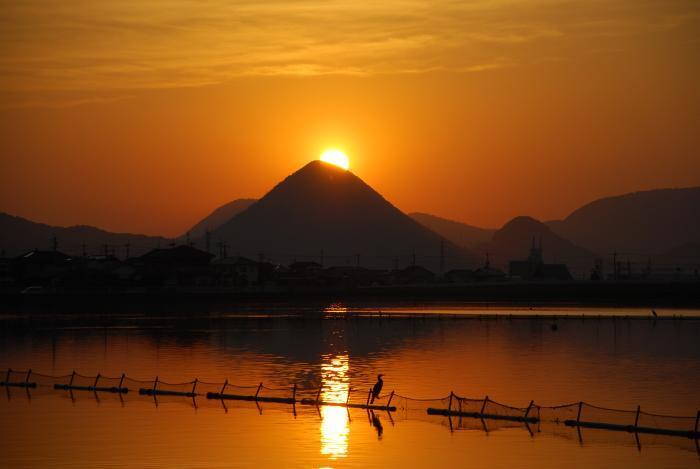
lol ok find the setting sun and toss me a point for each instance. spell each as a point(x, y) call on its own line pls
point(336, 157)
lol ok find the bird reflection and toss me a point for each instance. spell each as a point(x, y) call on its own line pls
point(376, 423)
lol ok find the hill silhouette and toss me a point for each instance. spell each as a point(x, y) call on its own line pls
point(514, 240)
point(322, 211)
point(459, 233)
point(18, 235)
point(218, 217)
point(646, 223)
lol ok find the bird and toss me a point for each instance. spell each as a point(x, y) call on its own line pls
point(377, 388)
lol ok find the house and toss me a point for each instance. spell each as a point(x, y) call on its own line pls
point(179, 265)
point(239, 270)
point(412, 275)
point(40, 267)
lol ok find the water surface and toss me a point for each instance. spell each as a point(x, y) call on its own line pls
point(616, 363)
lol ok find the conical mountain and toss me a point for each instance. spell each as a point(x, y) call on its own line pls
point(323, 212)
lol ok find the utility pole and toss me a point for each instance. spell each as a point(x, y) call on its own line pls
point(55, 243)
point(442, 256)
point(127, 245)
point(84, 249)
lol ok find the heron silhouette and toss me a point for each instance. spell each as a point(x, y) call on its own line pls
point(377, 388)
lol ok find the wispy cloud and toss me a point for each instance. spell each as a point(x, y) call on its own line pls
point(112, 46)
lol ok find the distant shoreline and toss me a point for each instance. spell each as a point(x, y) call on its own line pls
point(515, 295)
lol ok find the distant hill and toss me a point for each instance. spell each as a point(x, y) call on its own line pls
point(322, 210)
point(218, 217)
point(18, 235)
point(514, 240)
point(646, 223)
point(459, 233)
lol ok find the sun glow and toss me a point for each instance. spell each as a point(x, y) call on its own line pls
point(336, 157)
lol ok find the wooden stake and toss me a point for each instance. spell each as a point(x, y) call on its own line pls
point(449, 406)
point(97, 378)
point(72, 376)
point(224, 386)
point(258, 391)
point(318, 394)
point(578, 416)
point(7, 377)
point(483, 406)
point(369, 395)
point(391, 396)
point(347, 401)
point(636, 417)
point(155, 383)
point(294, 393)
point(194, 385)
point(697, 419)
point(528, 408)
point(121, 380)
point(29, 373)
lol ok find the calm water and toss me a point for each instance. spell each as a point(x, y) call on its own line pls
point(611, 363)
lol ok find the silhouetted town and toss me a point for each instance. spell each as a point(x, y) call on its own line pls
point(187, 266)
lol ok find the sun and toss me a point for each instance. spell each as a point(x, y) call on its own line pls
point(336, 157)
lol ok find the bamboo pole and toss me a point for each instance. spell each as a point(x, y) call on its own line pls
point(294, 393)
point(258, 391)
point(224, 386)
point(318, 394)
point(121, 380)
point(369, 395)
point(29, 373)
point(155, 383)
point(449, 405)
point(97, 378)
point(194, 385)
point(636, 417)
point(72, 376)
point(7, 376)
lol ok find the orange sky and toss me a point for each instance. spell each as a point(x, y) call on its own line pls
point(145, 118)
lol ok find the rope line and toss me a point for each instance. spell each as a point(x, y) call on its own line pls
point(19, 376)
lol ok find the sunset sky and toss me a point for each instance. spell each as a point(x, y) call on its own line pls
point(145, 116)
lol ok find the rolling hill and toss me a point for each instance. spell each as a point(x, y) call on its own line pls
point(18, 235)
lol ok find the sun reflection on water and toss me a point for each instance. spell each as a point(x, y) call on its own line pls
point(334, 426)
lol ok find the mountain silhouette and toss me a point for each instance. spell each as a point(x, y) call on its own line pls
point(459, 233)
point(645, 223)
point(18, 235)
point(218, 217)
point(324, 213)
point(514, 240)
